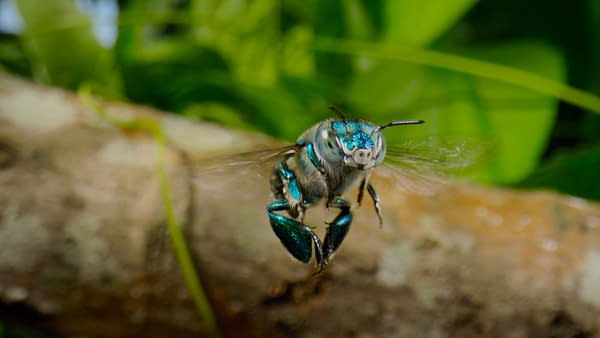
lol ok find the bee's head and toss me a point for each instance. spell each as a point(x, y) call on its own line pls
point(353, 143)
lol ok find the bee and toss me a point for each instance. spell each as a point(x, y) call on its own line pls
point(326, 160)
point(324, 163)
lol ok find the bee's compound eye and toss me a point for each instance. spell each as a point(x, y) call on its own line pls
point(324, 134)
point(328, 138)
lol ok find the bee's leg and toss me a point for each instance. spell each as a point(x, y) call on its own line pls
point(361, 191)
point(363, 185)
point(337, 229)
point(376, 201)
point(297, 238)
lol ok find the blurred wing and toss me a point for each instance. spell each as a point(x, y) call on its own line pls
point(422, 166)
point(248, 161)
point(241, 166)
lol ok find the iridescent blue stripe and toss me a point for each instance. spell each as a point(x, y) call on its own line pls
point(310, 151)
point(285, 172)
point(294, 190)
point(292, 185)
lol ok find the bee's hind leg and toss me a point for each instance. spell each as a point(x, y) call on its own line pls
point(296, 237)
point(338, 228)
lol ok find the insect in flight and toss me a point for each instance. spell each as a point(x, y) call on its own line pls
point(327, 160)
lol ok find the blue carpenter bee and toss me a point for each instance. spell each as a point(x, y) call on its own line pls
point(327, 160)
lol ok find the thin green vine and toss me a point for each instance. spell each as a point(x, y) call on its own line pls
point(180, 247)
point(465, 65)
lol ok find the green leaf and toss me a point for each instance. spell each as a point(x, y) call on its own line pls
point(217, 112)
point(465, 65)
point(277, 111)
point(357, 19)
point(13, 55)
point(173, 74)
point(517, 121)
point(62, 47)
point(418, 23)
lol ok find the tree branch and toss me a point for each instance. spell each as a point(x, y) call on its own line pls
point(83, 246)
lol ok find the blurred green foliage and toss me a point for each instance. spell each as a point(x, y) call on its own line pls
point(61, 47)
point(263, 65)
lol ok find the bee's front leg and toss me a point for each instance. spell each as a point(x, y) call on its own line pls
point(376, 202)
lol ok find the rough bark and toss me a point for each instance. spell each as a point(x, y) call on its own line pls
point(83, 248)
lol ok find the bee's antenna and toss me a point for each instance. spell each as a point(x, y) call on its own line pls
point(398, 123)
point(401, 122)
point(338, 111)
